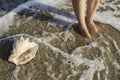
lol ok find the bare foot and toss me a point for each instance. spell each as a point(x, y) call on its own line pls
point(89, 40)
point(93, 27)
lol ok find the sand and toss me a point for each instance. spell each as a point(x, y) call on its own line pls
point(63, 53)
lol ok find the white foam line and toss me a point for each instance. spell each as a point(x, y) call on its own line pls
point(79, 49)
point(98, 74)
point(57, 50)
point(115, 44)
point(94, 65)
point(106, 17)
point(15, 73)
point(7, 20)
point(116, 65)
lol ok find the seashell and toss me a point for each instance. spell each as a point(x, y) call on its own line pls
point(24, 51)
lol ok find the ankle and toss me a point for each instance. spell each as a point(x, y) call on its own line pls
point(89, 21)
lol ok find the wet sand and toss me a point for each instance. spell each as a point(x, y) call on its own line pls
point(61, 52)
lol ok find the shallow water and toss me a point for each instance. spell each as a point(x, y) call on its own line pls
point(62, 53)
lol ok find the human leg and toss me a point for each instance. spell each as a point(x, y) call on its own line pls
point(79, 8)
point(91, 9)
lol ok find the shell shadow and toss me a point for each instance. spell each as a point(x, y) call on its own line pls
point(6, 46)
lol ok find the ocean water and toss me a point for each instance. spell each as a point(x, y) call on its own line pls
point(60, 57)
point(108, 12)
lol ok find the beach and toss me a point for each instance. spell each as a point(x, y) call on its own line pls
point(63, 53)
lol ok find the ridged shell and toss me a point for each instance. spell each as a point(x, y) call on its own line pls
point(24, 51)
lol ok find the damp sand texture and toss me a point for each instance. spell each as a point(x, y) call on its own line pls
point(62, 53)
